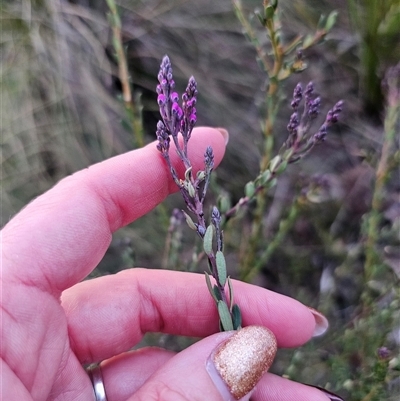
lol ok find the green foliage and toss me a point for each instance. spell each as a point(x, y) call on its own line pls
point(221, 267)
point(225, 316)
point(378, 26)
point(207, 240)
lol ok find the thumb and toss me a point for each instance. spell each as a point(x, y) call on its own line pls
point(225, 366)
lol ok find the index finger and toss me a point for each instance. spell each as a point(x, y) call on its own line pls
point(60, 237)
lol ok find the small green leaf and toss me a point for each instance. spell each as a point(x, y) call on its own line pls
point(307, 41)
point(201, 175)
point(207, 240)
point(274, 163)
point(221, 267)
point(260, 17)
point(321, 22)
point(224, 316)
point(210, 288)
point(269, 12)
point(331, 20)
point(288, 154)
point(217, 293)
point(190, 188)
point(249, 189)
point(236, 317)
point(271, 183)
point(189, 221)
point(390, 24)
point(265, 177)
point(224, 203)
point(282, 167)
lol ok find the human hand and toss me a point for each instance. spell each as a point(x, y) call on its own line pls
point(52, 323)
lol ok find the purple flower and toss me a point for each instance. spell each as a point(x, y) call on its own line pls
point(209, 158)
point(300, 142)
point(177, 111)
point(321, 134)
point(163, 138)
point(297, 96)
point(161, 99)
point(309, 91)
point(174, 97)
point(293, 122)
point(176, 118)
point(313, 107)
point(333, 114)
point(189, 100)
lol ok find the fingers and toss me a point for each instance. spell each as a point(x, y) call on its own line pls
point(124, 374)
point(184, 377)
point(276, 388)
point(61, 236)
point(108, 315)
point(152, 374)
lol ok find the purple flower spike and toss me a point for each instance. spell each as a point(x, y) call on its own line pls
point(216, 215)
point(293, 122)
point(164, 89)
point(321, 134)
point(189, 100)
point(309, 90)
point(163, 138)
point(165, 69)
point(297, 96)
point(209, 158)
point(313, 107)
point(333, 114)
point(299, 142)
point(331, 118)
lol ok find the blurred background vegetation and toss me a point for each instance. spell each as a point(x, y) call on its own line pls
point(332, 223)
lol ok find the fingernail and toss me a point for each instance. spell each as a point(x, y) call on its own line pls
point(225, 134)
point(239, 363)
point(321, 322)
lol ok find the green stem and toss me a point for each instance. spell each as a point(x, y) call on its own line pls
point(384, 168)
point(131, 103)
point(255, 235)
point(284, 227)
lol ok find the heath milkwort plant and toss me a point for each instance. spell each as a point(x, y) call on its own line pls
point(179, 119)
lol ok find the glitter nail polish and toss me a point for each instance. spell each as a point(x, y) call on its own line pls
point(244, 358)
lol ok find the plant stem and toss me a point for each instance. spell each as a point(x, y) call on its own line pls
point(131, 102)
point(384, 168)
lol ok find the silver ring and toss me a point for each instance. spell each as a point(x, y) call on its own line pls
point(94, 372)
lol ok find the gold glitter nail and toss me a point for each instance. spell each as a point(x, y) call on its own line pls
point(244, 358)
